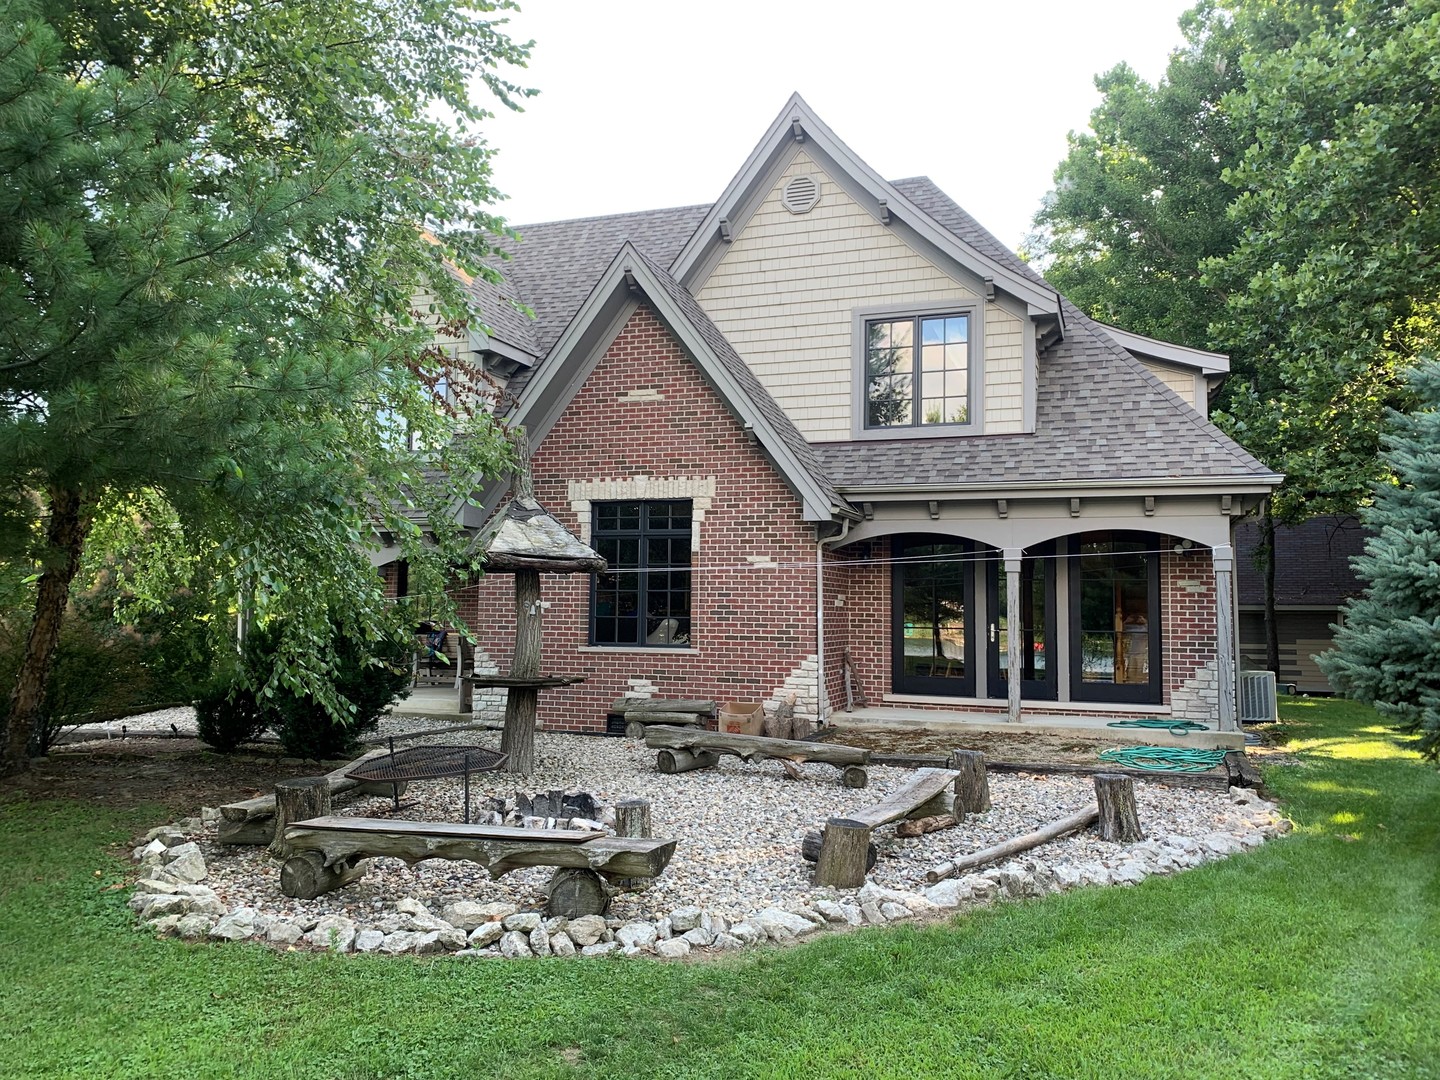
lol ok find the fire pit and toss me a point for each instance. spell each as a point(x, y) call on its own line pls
point(428, 763)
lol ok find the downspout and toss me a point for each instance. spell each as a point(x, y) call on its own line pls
point(822, 702)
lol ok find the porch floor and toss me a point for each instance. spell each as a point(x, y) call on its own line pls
point(890, 718)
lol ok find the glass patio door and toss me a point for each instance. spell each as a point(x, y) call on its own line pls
point(933, 596)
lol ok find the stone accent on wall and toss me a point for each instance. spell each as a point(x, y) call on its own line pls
point(802, 683)
point(699, 490)
point(1198, 698)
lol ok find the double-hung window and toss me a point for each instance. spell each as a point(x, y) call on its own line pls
point(918, 371)
point(643, 599)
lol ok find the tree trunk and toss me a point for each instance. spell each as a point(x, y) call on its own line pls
point(518, 738)
point(1272, 626)
point(300, 799)
point(69, 524)
point(632, 819)
point(1119, 819)
point(972, 786)
point(305, 875)
point(574, 892)
point(670, 762)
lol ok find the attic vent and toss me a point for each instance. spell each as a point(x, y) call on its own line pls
point(800, 195)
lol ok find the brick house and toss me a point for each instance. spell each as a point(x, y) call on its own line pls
point(836, 441)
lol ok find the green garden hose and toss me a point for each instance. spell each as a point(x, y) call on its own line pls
point(1175, 727)
point(1164, 758)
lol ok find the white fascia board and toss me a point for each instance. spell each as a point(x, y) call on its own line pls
point(1260, 483)
point(1207, 363)
point(553, 387)
point(775, 141)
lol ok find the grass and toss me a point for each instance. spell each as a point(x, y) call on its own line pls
point(1313, 956)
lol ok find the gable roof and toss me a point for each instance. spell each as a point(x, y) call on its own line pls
point(579, 348)
point(797, 122)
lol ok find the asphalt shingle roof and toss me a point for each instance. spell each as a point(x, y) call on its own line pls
point(1100, 415)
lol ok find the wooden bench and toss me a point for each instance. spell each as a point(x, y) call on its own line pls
point(640, 713)
point(845, 845)
point(327, 853)
point(684, 749)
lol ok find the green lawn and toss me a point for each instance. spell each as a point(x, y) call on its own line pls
point(1314, 956)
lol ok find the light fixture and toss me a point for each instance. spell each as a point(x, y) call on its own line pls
point(1183, 547)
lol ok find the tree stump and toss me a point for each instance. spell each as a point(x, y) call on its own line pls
point(972, 786)
point(855, 776)
point(305, 875)
point(1119, 818)
point(575, 891)
point(298, 800)
point(632, 819)
point(678, 761)
point(810, 850)
point(844, 854)
point(634, 730)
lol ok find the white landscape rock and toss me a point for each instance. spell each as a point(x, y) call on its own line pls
point(335, 932)
point(236, 926)
point(781, 925)
point(515, 944)
point(366, 940)
point(637, 935)
point(673, 949)
point(585, 930)
point(486, 934)
point(561, 945)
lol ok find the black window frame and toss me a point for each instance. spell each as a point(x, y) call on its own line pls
point(1151, 692)
point(917, 320)
point(643, 532)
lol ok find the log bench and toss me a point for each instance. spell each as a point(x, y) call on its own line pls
point(330, 852)
point(253, 821)
point(684, 749)
point(845, 843)
point(639, 713)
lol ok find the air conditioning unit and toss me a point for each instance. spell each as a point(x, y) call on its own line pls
point(1258, 704)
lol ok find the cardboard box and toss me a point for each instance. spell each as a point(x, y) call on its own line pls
point(742, 717)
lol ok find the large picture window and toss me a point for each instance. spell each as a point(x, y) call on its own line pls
point(917, 371)
point(644, 596)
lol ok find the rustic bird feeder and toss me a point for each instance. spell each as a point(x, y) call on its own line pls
point(524, 540)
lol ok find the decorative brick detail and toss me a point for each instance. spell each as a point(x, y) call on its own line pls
point(753, 623)
point(800, 682)
point(1187, 620)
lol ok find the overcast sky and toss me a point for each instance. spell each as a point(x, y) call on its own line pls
point(654, 103)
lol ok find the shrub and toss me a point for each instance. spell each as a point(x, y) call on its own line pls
point(227, 715)
point(370, 676)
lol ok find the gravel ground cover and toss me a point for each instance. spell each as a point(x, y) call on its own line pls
point(738, 828)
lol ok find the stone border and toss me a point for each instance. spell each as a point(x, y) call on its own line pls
point(172, 899)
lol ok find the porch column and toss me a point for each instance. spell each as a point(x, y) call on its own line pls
point(1223, 557)
point(1014, 628)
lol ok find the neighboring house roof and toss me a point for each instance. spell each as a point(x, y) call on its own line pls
point(1312, 561)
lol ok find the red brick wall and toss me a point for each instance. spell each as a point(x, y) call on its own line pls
point(750, 626)
point(1187, 612)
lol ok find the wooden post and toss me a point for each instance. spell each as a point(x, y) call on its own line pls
point(465, 653)
point(844, 850)
point(518, 738)
point(1223, 558)
point(1119, 819)
point(972, 786)
point(298, 800)
point(1014, 630)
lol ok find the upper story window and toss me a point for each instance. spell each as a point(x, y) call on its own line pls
point(918, 371)
point(643, 599)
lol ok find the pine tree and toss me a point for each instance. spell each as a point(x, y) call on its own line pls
point(1387, 651)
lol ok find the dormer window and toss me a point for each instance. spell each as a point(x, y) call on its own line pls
point(918, 371)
